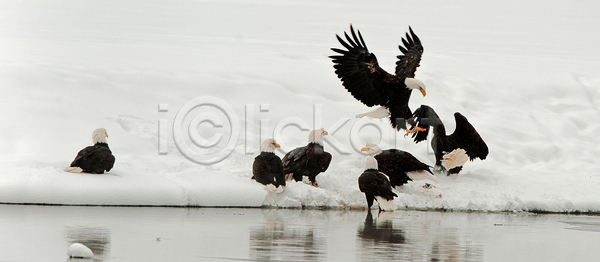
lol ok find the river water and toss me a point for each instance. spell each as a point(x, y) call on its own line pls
point(43, 233)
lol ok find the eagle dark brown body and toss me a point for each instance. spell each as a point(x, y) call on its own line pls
point(94, 159)
point(308, 161)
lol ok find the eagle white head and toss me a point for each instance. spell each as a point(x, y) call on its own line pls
point(371, 163)
point(371, 149)
point(316, 136)
point(268, 146)
point(416, 84)
point(99, 135)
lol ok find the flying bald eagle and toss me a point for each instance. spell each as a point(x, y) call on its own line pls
point(361, 75)
point(451, 151)
point(398, 165)
point(376, 185)
point(267, 168)
point(309, 160)
point(94, 159)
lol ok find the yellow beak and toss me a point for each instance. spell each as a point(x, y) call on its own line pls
point(363, 149)
point(325, 132)
point(277, 145)
point(106, 134)
point(423, 92)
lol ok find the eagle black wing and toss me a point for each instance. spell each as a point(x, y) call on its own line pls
point(268, 169)
point(394, 159)
point(425, 117)
point(409, 60)
point(294, 160)
point(466, 137)
point(395, 163)
point(359, 71)
point(94, 159)
point(375, 183)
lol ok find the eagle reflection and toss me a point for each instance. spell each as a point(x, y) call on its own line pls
point(275, 240)
point(381, 230)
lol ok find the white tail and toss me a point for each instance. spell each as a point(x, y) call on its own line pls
point(421, 175)
point(386, 205)
point(74, 169)
point(457, 157)
point(280, 189)
point(271, 188)
point(380, 112)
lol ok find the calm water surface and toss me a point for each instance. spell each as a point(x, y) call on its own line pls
point(43, 233)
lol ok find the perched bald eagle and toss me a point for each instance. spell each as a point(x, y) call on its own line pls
point(94, 159)
point(376, 185)
point(451, 151)
point(361, 75)
point(398, 165)
point(267, 168)
point(309, 160)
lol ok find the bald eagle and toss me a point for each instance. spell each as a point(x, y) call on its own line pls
point(451, 151)
point(376, 185)
point(361, 75)
point(309, 160)
point(267, 168)
point(94, 159)
point(398, 165)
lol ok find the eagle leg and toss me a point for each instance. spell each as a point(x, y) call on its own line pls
point(419, 129)
point(414, 130)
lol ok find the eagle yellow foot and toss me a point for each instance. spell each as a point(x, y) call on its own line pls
point(416, 128)
point(419, 129)
point(315, 184)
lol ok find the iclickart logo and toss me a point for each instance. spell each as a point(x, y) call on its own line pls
point(206, 130)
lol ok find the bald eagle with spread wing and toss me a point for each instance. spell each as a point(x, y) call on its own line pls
point(361, 75)
point(451, 151)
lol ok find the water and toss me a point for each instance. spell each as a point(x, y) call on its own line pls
point(43, 233)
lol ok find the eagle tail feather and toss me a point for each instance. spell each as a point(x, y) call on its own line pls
point(386, 205)
point(74, 169)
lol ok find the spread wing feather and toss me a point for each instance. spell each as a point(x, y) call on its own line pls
point(359, 70)
point(409, 60)
point(466, 137)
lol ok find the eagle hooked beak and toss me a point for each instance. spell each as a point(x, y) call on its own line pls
point(364, 149)
point(107, 135)
point(277, 145)
point(423, 92)
point(325, 133)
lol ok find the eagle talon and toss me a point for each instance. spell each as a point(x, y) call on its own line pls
point(420, 129)
point(410, 131)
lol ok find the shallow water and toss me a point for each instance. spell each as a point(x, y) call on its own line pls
point(43, 233)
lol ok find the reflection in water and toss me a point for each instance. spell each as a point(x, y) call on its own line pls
point(96, 238)
point(381, 230)
point(380, 240)
point(207, 234)
point(277, 240)
point(396, 236)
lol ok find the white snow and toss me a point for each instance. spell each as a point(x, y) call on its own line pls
point(527, 78)
point(78, 250)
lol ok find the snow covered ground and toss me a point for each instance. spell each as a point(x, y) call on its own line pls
point(525, 74)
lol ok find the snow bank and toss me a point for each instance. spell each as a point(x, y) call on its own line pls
point(529, 82)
